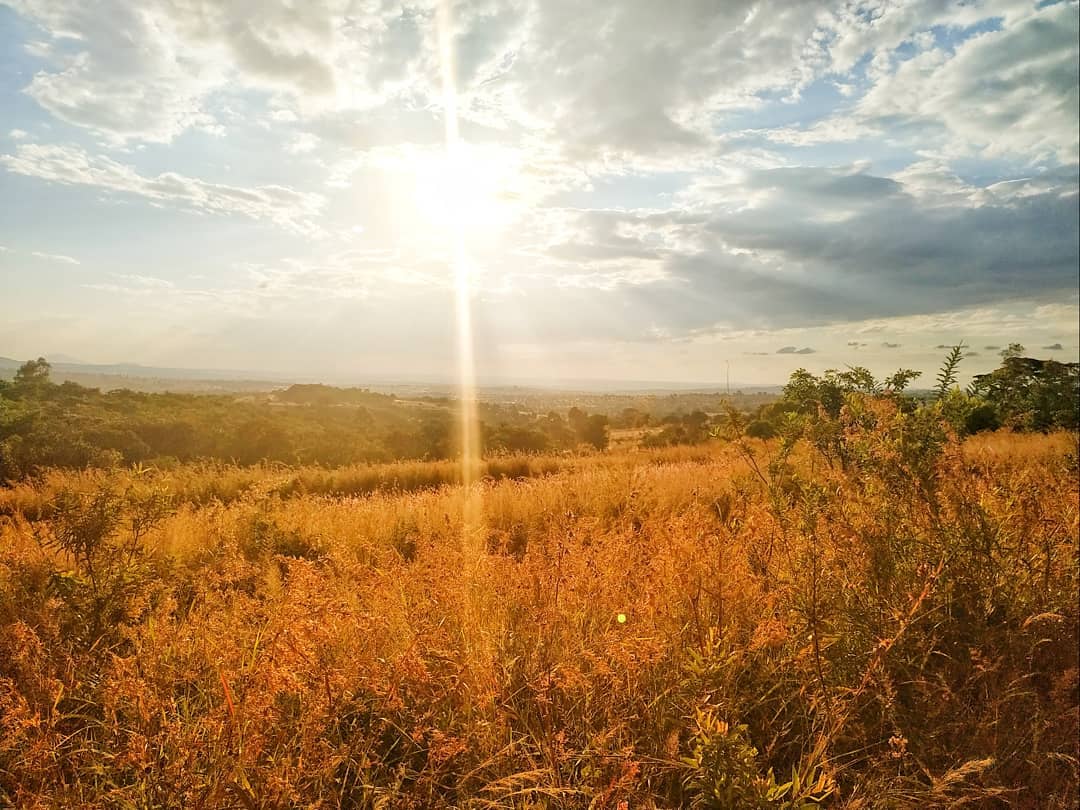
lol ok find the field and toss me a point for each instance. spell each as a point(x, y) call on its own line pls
point(734, 625)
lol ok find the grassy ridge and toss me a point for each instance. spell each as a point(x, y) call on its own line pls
point(900, 634)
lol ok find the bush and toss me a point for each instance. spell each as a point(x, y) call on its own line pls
point(981, 418)
point(760, 429)
point(102, 534)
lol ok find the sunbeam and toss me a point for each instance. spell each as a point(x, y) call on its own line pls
point(470, 450)
point(476, 604)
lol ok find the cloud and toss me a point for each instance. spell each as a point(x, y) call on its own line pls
point(647, 191)
point(47, 257)
point(302, 144)
point(134, 284)
point(1054, 347)
point(148, 71)
point(630, 83)
point(625, 81)
point(991, 348)
point(54, 257)
point(116, 69)
point(809, 246)
point(795, 350)
point(638, 79)
point(1006, 92)
point(878, 30)
point(841, 223)
point(70, 165)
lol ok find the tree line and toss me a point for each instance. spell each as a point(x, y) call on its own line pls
point(45, 424)
point(1022, 394)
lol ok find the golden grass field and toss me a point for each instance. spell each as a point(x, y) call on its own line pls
point(686, 627)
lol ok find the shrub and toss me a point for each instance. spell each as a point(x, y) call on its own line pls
point(760, 429)
point(102, 534)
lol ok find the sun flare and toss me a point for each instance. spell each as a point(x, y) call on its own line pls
point(464, 190)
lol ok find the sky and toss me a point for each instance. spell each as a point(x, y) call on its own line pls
point(637, 190)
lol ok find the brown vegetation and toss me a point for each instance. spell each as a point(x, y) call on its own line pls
point(734, 626)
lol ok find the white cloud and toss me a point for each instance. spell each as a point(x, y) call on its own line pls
point(55, 257)
point(829, 130)
point(71, 165)
point(625, 178)
point(633, 83)
point(134, 284)
point(302, 144)
point(1011, 92)
point(283, 116)
point(878, 27)
point(145, 71)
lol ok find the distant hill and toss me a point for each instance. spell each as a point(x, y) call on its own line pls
point(111, 376)
point(158, 372)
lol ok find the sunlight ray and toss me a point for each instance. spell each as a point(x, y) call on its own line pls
point(477, 608)
point(459, 258)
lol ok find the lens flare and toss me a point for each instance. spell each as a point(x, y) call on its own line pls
point(462, 270)
point(477, 609)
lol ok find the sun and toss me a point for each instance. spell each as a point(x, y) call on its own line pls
point(465, 190)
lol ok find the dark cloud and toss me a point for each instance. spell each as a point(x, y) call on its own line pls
point(795, 350)
point(802, 185)
point(889, 254)
point(823, 246)
point(1054, 347)
point(887, 345)
point(991, 348)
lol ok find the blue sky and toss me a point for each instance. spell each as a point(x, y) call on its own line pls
point(641, 190)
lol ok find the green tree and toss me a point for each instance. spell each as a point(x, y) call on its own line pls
point(594, 431)
point(806, 393)
point(1012, 350)
point(33, 373)
point(31, 380)
point(1032, 394)
point(897, 382)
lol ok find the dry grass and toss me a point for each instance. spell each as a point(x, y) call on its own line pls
point(209, 482)
point(318, 638)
